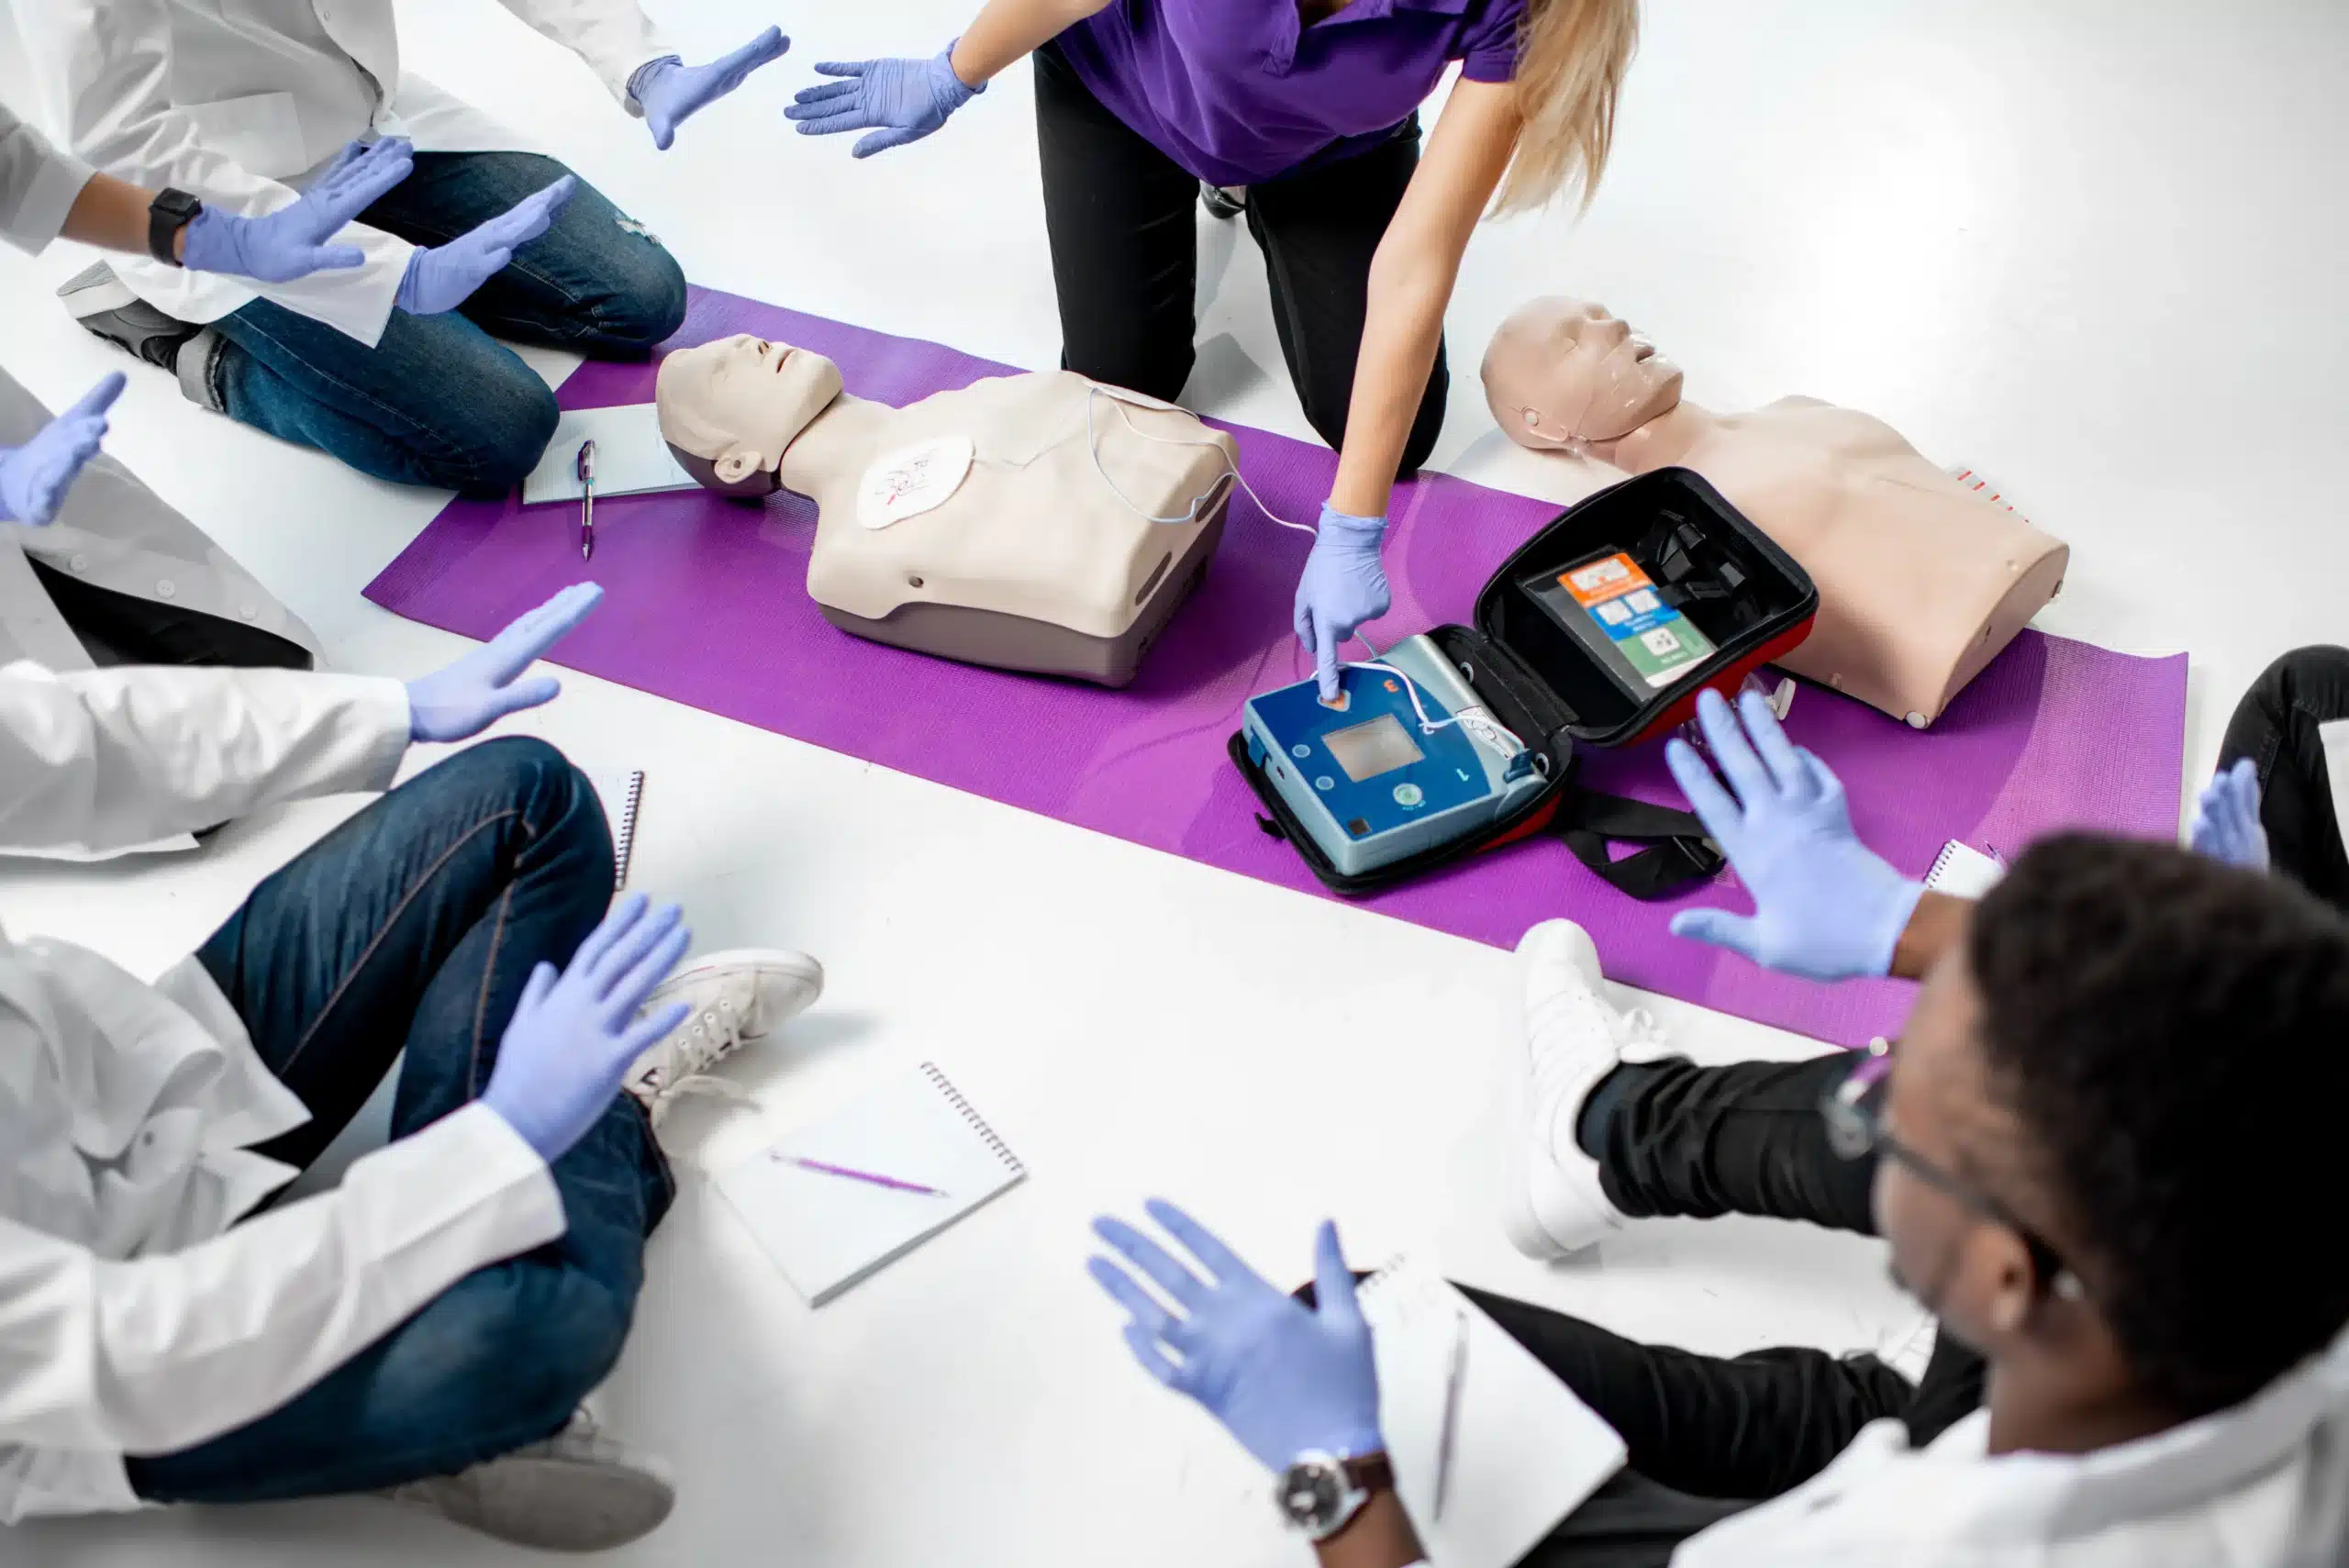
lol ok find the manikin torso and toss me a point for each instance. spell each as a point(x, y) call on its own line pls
point(1035, 528)
point(1921, 581)
point(1042, 553)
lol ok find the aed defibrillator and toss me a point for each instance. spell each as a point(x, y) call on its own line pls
point(1600, 631)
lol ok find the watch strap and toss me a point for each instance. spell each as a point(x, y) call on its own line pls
point(171, 211)
point(1372, 1472)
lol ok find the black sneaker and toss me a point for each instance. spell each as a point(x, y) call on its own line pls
point(103, 303)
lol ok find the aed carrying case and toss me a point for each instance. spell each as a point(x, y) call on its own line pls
point(1563, 653)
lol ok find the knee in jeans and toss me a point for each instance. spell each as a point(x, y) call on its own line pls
point(554, 797)
point(509, 422)
point(543, 1368)
point(647, 302)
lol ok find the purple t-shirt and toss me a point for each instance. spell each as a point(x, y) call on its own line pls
point(1239, 91)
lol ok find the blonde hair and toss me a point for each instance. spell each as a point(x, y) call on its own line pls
point(1571, 58)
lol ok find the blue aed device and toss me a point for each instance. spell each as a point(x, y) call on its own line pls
point(1412, 758)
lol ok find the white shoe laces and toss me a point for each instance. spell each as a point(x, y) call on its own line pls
point(680, 1063)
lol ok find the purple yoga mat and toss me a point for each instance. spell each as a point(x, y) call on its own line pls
point(707, 606)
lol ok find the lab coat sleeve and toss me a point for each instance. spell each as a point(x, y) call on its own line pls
point(37, 184)
point(104, 760)
point(157, 1354)
point(614, 36)
point(107, 65)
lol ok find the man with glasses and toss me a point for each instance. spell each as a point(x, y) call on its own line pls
point(2117, 1060)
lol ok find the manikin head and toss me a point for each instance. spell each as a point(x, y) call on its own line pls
point(728, 408)
point(1563, 373)
point(2133, 1051)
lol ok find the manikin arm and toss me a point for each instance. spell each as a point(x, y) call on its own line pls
point(1007, 32)
point(1410, 284)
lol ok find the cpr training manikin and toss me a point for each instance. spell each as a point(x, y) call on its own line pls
point(1034, 522)
point(1921, 581)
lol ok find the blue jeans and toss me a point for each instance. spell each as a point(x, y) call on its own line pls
point(437, 401)
point(415, 925)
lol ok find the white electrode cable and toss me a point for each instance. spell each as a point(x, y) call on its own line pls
point(1479, 723)
point(1231, 467)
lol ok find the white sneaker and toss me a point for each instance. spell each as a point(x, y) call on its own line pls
point(1573, 1036)
point(578, 1491)
point(738, 999)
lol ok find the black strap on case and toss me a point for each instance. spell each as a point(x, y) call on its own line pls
point(1677, 852)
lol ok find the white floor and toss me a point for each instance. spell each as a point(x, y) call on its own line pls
point(2093, 248)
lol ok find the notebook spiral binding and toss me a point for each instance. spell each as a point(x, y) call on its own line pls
point(978, 1123)
point(1381, 1275)
point(1940, 862)
point(624, 829)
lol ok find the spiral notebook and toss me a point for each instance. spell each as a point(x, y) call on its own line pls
point(1490, 1449)
point(1964, 871)
point(622, 792)
point(837, 1202)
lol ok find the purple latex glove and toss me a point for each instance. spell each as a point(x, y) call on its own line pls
point(460, 702)
point(900, 100)
point(2226, 823)
point(291, 242)
point(1343, 587)
point(35, 477)
point(574, 1036)
point(670, 92)
point(1284, 1378)
point(445, 276)
point(1825, 906)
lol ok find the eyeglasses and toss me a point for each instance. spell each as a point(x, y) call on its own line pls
point(1855, 1129)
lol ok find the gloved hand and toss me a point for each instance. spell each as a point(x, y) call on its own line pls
point(291, 241)
point(906, 99)
point(574, 1036)
point(670, 92)
point(1343, 587)
point(2226, 819)
point(1825, 906)
point(445, 276)
point(35, 477)
point(460, 702)
point(1282, 1378)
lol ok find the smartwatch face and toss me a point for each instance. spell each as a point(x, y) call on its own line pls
point(1311, 1493)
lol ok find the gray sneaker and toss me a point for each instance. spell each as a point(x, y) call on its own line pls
point(578, 1491)
point(103, 302)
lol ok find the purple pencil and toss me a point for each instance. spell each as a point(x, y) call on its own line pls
point(877, 1180)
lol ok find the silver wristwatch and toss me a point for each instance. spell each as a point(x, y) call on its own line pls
point(1321, 1494)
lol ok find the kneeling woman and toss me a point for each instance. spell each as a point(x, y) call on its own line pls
point(1312, 106)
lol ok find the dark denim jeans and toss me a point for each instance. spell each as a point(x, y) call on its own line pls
point(437, 401)
point(415, 926)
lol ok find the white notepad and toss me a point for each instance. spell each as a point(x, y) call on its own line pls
point(631, 457)
point(826, 1231)
point(1526, 1450)
point(1964, 871)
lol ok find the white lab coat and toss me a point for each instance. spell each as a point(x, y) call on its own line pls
point(114, 533)
point(2262, 1485)
point(241, 101)
point(37, 184)
point(133, 1318)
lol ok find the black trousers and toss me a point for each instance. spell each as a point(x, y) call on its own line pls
point(2275, 726)
point(1709, 1435)
point(1120, 216)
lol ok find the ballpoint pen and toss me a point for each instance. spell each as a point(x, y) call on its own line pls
point(587, 500)
point(1452, 1388)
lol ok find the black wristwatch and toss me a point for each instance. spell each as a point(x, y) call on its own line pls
point(1321, 1494)
point(166, 215)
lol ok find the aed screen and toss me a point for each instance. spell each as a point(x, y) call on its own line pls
point(1366, 750)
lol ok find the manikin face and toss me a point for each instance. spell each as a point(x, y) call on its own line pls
point(1563, 373)
point(739, 401)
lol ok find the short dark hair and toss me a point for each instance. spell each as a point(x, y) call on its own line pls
point(2172, 1036)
